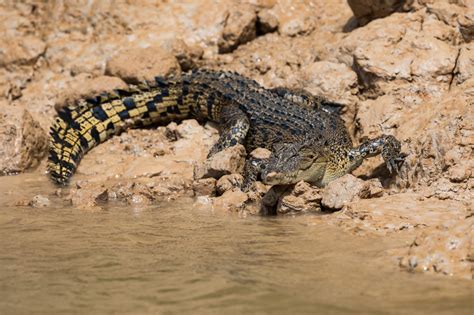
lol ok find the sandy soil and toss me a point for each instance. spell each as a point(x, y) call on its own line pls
point(403, 70)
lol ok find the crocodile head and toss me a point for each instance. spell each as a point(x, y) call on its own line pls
point(291, 163)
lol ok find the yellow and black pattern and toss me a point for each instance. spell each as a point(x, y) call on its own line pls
point(79, 128)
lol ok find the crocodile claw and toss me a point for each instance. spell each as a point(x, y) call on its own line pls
point(394, 164)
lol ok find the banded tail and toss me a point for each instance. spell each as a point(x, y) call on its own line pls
point(80, 127)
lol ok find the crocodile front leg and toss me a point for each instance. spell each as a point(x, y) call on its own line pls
point(253, 168)
point(234, 125)
point(386, 145)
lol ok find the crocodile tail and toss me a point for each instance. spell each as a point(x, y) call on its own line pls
point(80, 127)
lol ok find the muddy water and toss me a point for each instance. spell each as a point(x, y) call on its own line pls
point(171, 258)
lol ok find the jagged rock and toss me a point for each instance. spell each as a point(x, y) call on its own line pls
point(39, 201)
point(267, 21)
point(229, 182)
point(368, 10)
point(465, 64)
point(342, 191)
point(138, 64)
point(466, 25)
point(302, 198)
point(228, 161)
point(204, 187)
point(23, 143)
point(239, 28)
point(231, 201)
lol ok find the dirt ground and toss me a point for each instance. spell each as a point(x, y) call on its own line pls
point(405, 70)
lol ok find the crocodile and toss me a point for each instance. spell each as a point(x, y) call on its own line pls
point(307, 139)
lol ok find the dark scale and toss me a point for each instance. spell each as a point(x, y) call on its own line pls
point(307, 141)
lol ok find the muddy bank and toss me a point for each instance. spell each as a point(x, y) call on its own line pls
point(403, 70)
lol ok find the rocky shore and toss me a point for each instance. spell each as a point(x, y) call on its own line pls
point(405, 70)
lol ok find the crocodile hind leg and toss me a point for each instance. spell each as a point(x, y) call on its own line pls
point(386, 145)
point(234, 125)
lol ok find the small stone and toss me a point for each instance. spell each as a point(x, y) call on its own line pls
point(231, 200)
point(461, 172)
point(229, 182)
point(260, 153)
point(239, 28)
point(465, 64)
point(466, 25)
point(372, 188)
point(204, 187)
point(186, 55)
point(267, 22)
point(23, 143)
point(228, 161)
point(39, 201)
point(171, 131)
point(341, 191)
point(302, 198)
point(187, 129)
point(368, 10)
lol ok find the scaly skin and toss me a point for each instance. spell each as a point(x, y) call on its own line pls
point(296, 126)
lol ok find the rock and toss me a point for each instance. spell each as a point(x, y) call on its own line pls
point(228, 161)
point(187, 56)
point(239, 28)
point(88, 195)
point(231, 201)
point(335, 82)
point(21, 51)
point(372, 189)
point(229, 182)
point(267, 22)
point(302, 198)
point(465, 64)
point(450, 12)
point(23, 143)
point(187, 129)
point(368, 10)
point(39, 201)
point(139, 64)
point(461, 172)
point(341, 191)
point(384, 57)
point(466, 25)
point(204, 187)
point(444, 249)
point(295, 18)
point(132, 193)
point(260, 153)
point(170, 188)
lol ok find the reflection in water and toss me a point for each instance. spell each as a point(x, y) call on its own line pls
point(171, 258)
